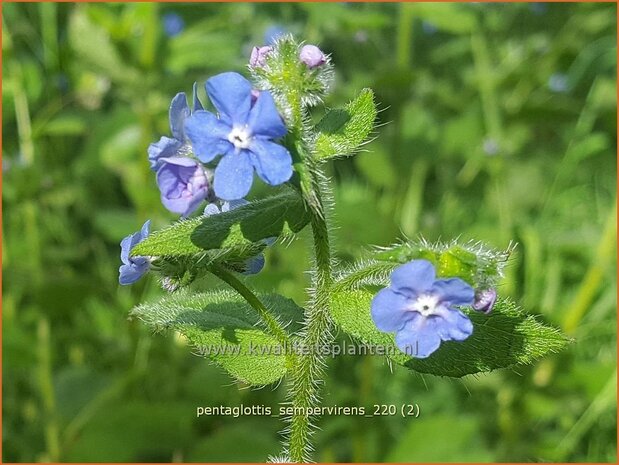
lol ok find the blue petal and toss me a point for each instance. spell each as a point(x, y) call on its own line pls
point(419, 337)
point(197, 105)
point(231, 95)
point(183, 162)
point(181, 205)
point(128, 274)
point(129, 242)
point(211, 209)
point(194, 202)
point(453, 325)
point(179, 111)
point(208, 136)
point(227, 206)
point(233, 176)
point(389, 310)
point(145, 231)
point(454, 290)
point(181, 191)
point(164, 148)
point(125, 247)
point(272, 161)
point(140, 261)
point(264, 119)
point(254, 265)
point(413, 278)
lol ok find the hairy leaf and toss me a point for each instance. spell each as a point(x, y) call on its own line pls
point(230, 236)
point(505, 338)
point(342, 131)
point(224, 328)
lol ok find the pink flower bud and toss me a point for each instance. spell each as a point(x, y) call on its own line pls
point(312, 56)
point(259, 55)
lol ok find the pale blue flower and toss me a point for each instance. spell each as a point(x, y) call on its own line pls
point(176, 145)
point(242, 133)
point(173, 24)
point(420, 309)
point(133, 268)
point(183, 184)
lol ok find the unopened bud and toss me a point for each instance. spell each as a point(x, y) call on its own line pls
point(484, 300)
point(312, 56)
point(259, 55)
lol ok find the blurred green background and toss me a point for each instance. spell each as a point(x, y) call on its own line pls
point(498, 124)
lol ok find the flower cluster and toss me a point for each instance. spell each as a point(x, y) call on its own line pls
point(310, 55)
point(294, 74)
point(235, 142)
point(420, 309)
point(212, 155)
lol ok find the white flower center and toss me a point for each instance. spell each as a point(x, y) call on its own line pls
point(240, 137)
point(425, 304)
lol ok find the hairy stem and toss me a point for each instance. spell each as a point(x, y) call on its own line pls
point(269, 320)
point(305, 377)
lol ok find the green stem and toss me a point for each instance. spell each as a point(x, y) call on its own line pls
point(22, 115)
point(317, 324)
point(486, 81)
point(46, 387)
point(271, 322)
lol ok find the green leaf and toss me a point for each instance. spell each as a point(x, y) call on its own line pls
point(224, 328)
point(343, 131)
point(505, 338)
point(231, 236)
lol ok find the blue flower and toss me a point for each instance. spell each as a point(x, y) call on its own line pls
point(173, 24)
point(133, 268)
point(420, 308)
point(183, 184)
point(176, 145)
point(243, 134)
point(253, 265)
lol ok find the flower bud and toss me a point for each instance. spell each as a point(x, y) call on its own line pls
point(484, 300)
point(183, 184)
point(312, 56)
point(259, 55)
